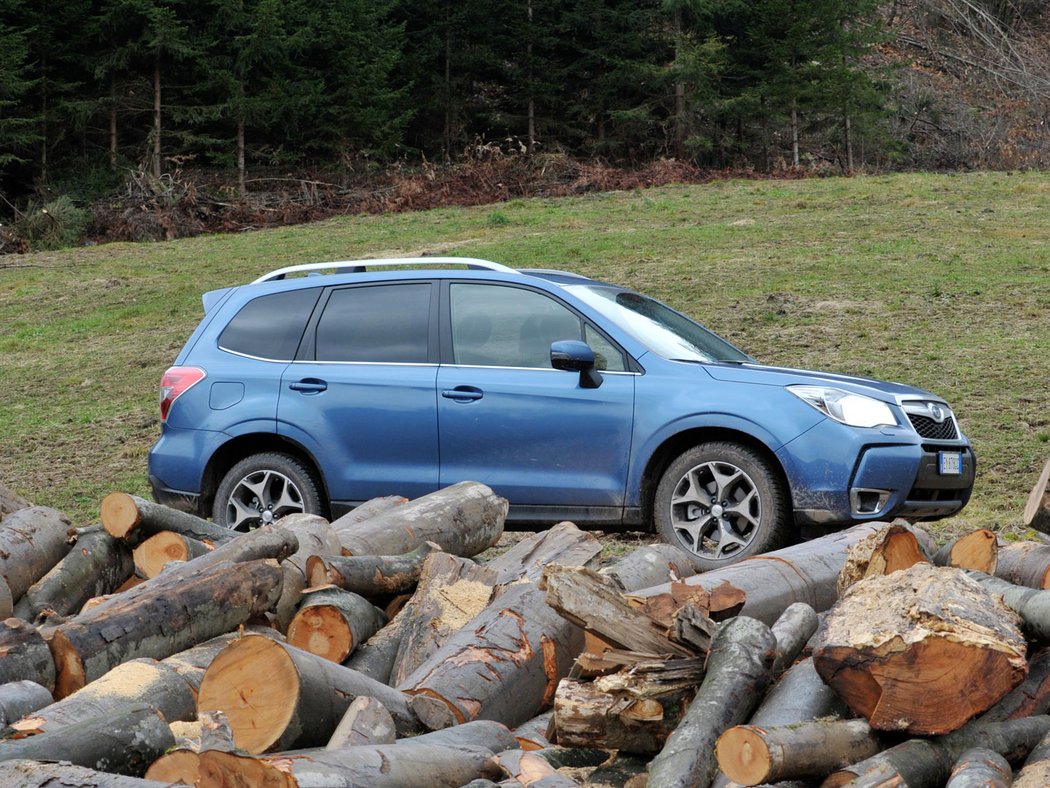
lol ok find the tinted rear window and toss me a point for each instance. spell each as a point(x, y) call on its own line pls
point(270, 326)
point(378, 324)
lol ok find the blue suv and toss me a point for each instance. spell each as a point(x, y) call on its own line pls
point(317, 387)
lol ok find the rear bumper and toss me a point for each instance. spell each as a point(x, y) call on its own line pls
point(176, 499)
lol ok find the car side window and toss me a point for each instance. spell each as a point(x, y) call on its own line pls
point(494, 325)
point(270, 326)
point(376, 324)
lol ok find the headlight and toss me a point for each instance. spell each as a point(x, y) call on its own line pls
point(856, 410)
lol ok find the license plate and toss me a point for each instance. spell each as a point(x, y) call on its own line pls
point(949, 463)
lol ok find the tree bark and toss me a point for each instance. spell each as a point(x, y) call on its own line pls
point(805, 572)
point(32, 541)
point(332, 622)
point(314, 536)
point(19, 698)
point(979, 767)
point(464, 519)
point(1036, 770)
point(738, 672)
point(161, 549)
point(135, 519)
point(889, 549)
point(96, 565)
point(1033, 606)
point(921, 651)
point(528, 768)
point(1024, 564)
point(650, 565)
point(368, 575)
point(24, 773)
point(172, 618)
point(792, 631)
point(366, 721)
point(367, 510)
point(10, 501)
point(976, 550)
point(279, 697)
point(505, 665)
point(25, 655)
point(376, 656)
point(1037, 509)
point(564, 544)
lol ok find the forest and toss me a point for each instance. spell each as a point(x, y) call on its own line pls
point(196, 114)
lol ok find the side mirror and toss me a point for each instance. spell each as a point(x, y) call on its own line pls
point(575, 356)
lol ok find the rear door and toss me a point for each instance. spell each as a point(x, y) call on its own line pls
point(361, 396)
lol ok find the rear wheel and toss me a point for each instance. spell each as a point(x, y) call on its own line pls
point(263, 488)
point(722, 502)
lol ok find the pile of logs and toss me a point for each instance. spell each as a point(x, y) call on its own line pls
point(392, 646)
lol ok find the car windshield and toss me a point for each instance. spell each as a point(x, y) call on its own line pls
point(658, 327)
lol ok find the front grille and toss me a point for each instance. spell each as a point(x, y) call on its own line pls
point(934, 430)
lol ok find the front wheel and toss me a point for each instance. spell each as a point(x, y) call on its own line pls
point(722, 502)
point(263, 488)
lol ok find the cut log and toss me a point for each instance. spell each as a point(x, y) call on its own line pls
point(738, 672)
point(806, 572)
point(140, 681)
point(31, 542)
point(369, 575)
point(1036, 770)
point(921, 651)
point(592, 602)
point(97, 564)
point(451, 592)
point(19, 698)
point(564, 544)
point(176, 766)
point(762, 753)
point(651, 565)
point(10, 501)
point(889, 549)
point(314, 536)
point(199, 607)
point(332, 622)
point(161, 549)
point(504, 665)
point(279, 697)
point(1037, 509)
point(377, 655)
point(463, 519)
point(125, 740)
point(192, 663)
point(1023, 564)
point(536, 734)
point(1033, 606)
point(796, 625)
point(366, 721)
point(25, 655)
point(1030, 697)
point(38, 774)
point(976, 550)
point(135, 519)
point(531, 770)
point(979, 767)
point(367, 510)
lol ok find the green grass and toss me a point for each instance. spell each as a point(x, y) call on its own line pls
point(942, 281)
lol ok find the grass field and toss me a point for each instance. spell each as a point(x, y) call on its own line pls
point(942, 281)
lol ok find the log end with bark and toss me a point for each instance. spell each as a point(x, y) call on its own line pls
point(1037, 509)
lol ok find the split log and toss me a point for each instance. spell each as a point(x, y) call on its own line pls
point(200, 606)
point(367, 510)
point(366, 721)
point(563, 544)
point(976, 550)
point(889, 549)
point(135, 519)
point(23, 773)
point(1030, 697)
point(979, 767)
point(10, 501)
point(97, 564)
point(276, 696)
point(124, 740)
point(738, 672)
point(19, 698)
point(1033, 606)
point(451, 592)
point(1024, 564)
point(25, 655)
point(806, 572)
point(1037, 509)
point(159, 550)
point(332, 622)
point(368, 575)
point(796, 625)
point(759, 753)
point(1036, 770)
point(144, 682)
point(921, 651)
point(634, 710)
point(926, 763)
point(505, 665)
point(651, 565)
point(32, 541)
point(587, 599)
point(463, 519)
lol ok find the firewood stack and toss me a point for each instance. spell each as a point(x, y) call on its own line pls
point(156, 649)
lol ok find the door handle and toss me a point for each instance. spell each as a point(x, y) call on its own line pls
point(463, 394)
point(309, 386)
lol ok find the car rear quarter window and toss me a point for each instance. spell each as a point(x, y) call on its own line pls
point(270, 326)
point(376, 324)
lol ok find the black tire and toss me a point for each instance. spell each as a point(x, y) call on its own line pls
point(722, 502)
point(262, 488)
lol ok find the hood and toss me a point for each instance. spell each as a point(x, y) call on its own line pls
point(785, 376)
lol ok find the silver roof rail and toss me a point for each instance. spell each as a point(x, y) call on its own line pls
point(469, 262)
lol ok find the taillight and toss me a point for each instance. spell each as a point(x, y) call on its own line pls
point(175, 382)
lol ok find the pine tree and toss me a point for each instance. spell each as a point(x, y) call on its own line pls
point(19, 125)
